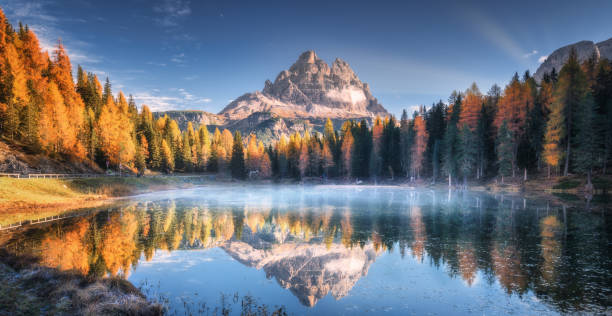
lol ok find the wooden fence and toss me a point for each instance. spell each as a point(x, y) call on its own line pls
point(94, 175)
point(58, 175)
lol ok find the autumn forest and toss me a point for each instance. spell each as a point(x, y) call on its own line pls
point(559, 126)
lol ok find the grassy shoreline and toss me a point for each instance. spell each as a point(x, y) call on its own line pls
point(26, 199)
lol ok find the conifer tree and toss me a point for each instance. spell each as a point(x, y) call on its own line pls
point(468, 152)
point(602, 93)
point(585, 153)
point(167, 158)
point(436, 123)
point(205, 149)
point(570, 93)
point(327, 159)
point(186, 153)
point(451, 138)
point(406, 139)
point(553, 137)
point(376, 155)
point(237, 161)
point(347, 152)
point(303, 159)
point(504, 150)
point(419, 145)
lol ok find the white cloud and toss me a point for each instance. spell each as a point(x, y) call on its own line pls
point(156, 64)
point(186, 95)
point(33, 10)
point(532, 53)
point(156, 103)
point(171, 11)
point(179, 99)
point(46, 28)
point(542, 59)
point(178, 58)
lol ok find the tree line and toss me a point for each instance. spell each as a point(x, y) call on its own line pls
point(558, 126)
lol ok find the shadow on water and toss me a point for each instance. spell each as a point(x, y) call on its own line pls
point(319, 241)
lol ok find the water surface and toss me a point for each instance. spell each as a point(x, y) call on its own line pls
point(335, 250)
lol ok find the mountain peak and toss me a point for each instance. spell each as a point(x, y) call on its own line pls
point(307, 57)
point(310, 88)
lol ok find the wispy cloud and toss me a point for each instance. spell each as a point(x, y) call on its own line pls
point(178, 58)
point(156, 64)
point(31, 10)
point(175, 99)
point(494, 33)
point(542, 59)
point(532, 53)
point(188, 96)
point(155, 102)
point(35, 14)
point(172, 11)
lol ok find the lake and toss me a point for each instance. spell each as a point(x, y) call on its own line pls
point(325, 250)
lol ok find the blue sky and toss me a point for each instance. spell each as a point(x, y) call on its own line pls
point(181, 54)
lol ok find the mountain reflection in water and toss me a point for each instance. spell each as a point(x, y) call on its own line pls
point(320, 241)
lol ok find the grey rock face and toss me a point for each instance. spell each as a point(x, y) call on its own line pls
point(605, 49)
point(310, 88)
point(584, 50)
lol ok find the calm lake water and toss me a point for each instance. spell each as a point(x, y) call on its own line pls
point(335, 251)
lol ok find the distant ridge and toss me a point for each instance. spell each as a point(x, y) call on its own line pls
point(584, 50)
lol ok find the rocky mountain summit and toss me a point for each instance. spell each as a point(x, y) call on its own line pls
point(300, 98)
point(310, 88)
point(584, 50)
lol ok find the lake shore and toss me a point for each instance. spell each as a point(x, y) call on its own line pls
point(26, 199)
point(27, 288)
point(23, 199)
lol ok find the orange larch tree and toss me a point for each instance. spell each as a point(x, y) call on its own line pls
point(419, 145)
point(471, 106)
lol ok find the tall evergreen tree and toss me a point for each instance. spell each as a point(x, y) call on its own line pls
point(570, 94)
point(504, 150)
point(468, 152)
point(451, 138)
point(585, 153)
point(436, 128)
point(237, 167)
point(406, 140)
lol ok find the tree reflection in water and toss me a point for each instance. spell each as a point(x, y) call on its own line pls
point(322, 244)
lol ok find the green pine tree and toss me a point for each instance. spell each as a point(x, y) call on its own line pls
point(237, 167)
point(451, 139)
point(504, 150)
point(585, 148)
point(468, 153)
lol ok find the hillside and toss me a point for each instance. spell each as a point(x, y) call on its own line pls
point(17, 159)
